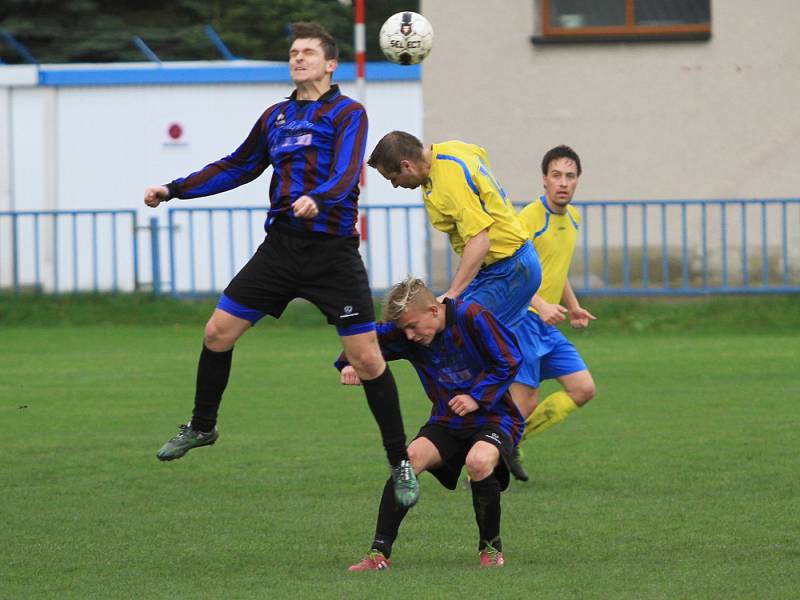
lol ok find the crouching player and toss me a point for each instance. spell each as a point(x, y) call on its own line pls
point(466, 360)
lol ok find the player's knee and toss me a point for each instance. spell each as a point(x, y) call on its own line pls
point(416, 459)
point(583, 393)
point(217, 338)
point(480, 465)
point(367, 363)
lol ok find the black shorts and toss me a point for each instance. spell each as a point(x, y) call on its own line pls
point(454, 444)
point(325, 270)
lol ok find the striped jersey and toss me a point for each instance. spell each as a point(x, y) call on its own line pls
point(475, 354)
point(554, 238)
point(316, 148)
point(462, 197)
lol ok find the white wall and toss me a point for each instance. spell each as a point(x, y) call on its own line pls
point(98, 147)
point(107, 144)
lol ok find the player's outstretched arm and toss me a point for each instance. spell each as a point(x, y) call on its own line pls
point(155, 195)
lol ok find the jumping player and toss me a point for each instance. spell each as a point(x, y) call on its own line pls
point(498, 268)
point(315, 142)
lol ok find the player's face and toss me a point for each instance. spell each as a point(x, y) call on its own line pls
point(307, 61)
point(420, 325)
point(560, 183)
point(408, 176)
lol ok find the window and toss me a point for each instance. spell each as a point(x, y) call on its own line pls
point(614, 20)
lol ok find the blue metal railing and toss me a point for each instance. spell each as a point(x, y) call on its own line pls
point(647, 247)
point(58, 251)
point(688, 247)
point(209, 245)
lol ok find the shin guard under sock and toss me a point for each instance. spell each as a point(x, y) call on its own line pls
point(384, 403)
point(213, 371)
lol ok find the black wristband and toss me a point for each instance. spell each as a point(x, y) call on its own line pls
point(172, 191)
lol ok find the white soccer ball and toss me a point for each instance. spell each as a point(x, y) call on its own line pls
point(406, 38)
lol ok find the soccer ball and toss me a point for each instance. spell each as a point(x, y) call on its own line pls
point(406, 38)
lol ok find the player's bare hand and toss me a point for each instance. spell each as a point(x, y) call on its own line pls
point(348, 376)
point(447, 294)
point(580, 317)
point(552, 313)
point(463, 404)
point(155, 195)
point(305, 208)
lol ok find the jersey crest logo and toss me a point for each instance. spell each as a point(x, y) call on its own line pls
point(280, 121)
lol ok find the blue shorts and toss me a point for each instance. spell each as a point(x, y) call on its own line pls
point(547, 353)
point(507, 286)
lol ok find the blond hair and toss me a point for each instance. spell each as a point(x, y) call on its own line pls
point(409, 292)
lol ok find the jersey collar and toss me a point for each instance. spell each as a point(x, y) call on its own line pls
point(326, 97)
point(450, 312)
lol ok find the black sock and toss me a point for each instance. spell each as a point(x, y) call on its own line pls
point(213, 371)
point(486, 501)
point(390, 515)
point(384, 403)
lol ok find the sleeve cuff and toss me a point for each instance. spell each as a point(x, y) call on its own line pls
point(172, 190)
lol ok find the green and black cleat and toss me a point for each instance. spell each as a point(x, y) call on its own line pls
point(406, 486)
point(186, 439)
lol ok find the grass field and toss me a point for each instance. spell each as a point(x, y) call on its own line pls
point(680, 480)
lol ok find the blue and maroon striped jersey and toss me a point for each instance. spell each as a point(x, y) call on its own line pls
point(475, 354)
point(316, 148)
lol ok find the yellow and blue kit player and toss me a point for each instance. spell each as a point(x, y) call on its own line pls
point(498, 268)
point(553, 223)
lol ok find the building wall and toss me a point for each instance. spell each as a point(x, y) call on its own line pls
point(95, 136)
point(713, 119)
point(94, 141)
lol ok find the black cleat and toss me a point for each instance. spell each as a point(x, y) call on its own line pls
point(515, 466)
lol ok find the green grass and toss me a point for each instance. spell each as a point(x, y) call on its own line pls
point(678, 481)
point(711, 314)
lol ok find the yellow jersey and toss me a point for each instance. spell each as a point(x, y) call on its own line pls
point(462, 198)
point(554, 238)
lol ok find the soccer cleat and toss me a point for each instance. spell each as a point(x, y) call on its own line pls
point(406, 486)
point(186, 439)
point(373, 561)
point(515, 466)
point(490, 557)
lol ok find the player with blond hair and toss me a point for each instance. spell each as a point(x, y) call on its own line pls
point(466, 359)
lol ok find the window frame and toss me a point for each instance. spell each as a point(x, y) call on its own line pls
point(630, 31)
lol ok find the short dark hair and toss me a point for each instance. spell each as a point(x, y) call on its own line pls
point(560, 152)
point(311, 30)
point(394, 147)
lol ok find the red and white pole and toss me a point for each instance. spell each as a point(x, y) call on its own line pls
point(361, 52)
point(360, 42)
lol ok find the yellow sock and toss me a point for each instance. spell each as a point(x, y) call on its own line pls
point(553, 409)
